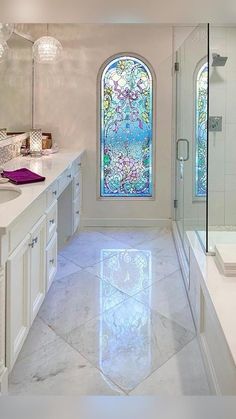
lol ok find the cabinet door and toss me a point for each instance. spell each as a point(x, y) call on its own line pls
point(18, 290)
point(2, 319)
point(76, 214)
point(37, 266)
point(51, 268)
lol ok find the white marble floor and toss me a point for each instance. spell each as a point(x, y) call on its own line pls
point(116, 321)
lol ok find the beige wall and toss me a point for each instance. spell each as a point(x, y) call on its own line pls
point(66, 104)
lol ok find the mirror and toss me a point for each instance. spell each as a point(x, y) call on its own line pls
point(16, 86)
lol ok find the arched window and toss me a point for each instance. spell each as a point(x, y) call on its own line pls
point(201, 131)
point(126, 128)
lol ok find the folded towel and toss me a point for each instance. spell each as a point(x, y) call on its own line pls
point(21, 176)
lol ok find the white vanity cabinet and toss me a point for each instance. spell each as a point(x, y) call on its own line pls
point(28, 254)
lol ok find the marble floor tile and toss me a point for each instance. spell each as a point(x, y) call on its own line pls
point(65, 267)
point(57, 369)
point(168, 297)
point(182, 375)
point(77, 298)
point(87, 248)
point(163, 245)
point(129, 342)
point(132, 236)
point(39, 335)
point(132, 270)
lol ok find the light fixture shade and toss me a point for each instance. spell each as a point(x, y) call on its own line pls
point(3, 134)
point(6, 30)
point(36, 142)
point(47, 49)
point(3, 51)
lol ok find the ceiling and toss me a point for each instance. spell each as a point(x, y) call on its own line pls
point(118, 11)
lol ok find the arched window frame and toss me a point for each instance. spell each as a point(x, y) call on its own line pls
point(99, 126)
point(199, 68)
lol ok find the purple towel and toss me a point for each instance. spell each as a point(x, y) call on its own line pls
point(21, 176)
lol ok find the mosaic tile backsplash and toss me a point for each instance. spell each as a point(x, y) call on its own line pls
point(10, 151)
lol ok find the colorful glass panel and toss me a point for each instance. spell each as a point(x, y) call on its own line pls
point(201, 131)
point(126, 129)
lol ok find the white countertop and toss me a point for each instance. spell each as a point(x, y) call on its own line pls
point(50, 166)
point(220, 289)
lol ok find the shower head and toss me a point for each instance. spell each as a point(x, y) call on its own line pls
point(218, 61)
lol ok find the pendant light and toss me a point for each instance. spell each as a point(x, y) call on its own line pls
point(6, 30)
point(47, 49)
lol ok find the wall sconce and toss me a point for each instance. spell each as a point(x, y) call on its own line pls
point(3, 134)
point(36, 142)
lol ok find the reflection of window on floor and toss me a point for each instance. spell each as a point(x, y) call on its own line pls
point(128, 328)
point(201, 130)
point(126, 128)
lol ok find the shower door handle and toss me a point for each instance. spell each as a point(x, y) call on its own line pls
point(178, 157)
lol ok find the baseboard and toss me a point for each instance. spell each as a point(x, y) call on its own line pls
point(125, 222)
point(210, 371)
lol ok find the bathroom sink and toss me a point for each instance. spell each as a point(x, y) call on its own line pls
point(8, 193)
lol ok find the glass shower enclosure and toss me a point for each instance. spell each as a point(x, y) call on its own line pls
point(191, 135)
point(205, 136)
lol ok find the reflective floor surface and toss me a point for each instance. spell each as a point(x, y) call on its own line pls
point(116, 321)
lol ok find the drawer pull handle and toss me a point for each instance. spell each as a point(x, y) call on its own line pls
point(54, 193)
point(51, 261)
point(77, 212)
point(69, 176)
point(34, 241)
point(52, 221)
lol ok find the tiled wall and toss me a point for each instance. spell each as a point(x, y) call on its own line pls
point(222, 145)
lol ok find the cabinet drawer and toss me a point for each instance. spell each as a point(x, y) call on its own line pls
point(51, 257)
point(52, 193)
point(27, 220)
point(76, 186)
point(76, 214)
point(51, 221)
point(64, 180)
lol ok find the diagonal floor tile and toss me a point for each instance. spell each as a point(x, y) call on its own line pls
point(163, 245)
point(65, 267)
point(132, 236)
point(57, 369)
point(39, 336)
point(129, 342)
point(168, 297)
point(77, 298)
point(132, 270)
point(182, 375)
point(87, 248)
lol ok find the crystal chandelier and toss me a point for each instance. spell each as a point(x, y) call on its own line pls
point(6, 30)
point(47, 50)
point(3, 51)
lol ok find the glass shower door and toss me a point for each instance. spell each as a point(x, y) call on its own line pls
point(190, 205)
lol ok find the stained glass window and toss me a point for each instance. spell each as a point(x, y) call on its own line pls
point(201, 131)
point(126, 129)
